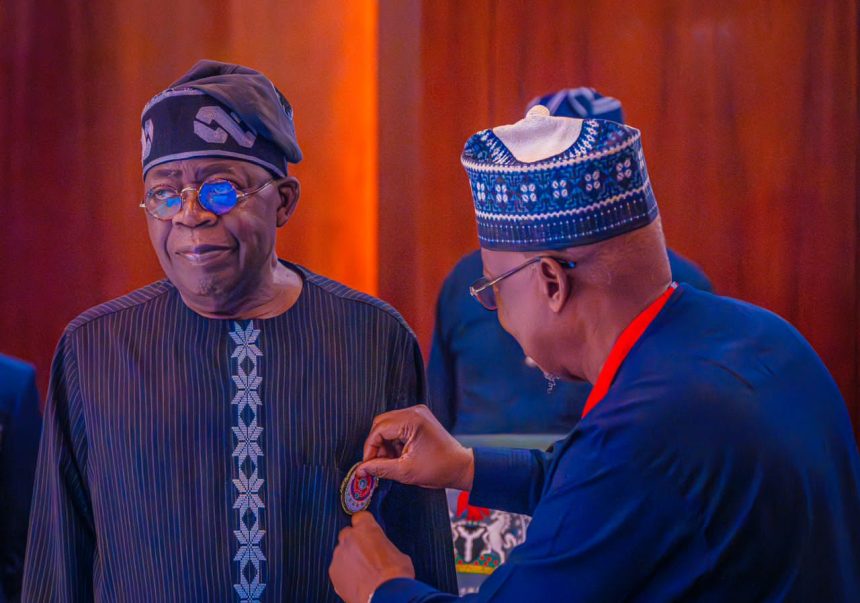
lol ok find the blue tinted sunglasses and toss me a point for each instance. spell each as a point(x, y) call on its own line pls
point(217, 196)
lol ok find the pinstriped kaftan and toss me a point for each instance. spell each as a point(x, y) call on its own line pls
point(192, 459)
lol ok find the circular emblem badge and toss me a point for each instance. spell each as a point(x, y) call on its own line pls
point(356, 492)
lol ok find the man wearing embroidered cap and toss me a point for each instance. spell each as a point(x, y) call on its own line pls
point(714, 459)
point(479, 378)
point(198, 431)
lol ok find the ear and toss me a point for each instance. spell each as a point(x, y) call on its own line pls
point(555, 283)
point(289, 190)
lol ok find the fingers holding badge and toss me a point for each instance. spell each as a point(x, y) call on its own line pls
point(364, 559)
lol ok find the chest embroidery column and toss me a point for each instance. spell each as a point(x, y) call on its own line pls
point(248, 468)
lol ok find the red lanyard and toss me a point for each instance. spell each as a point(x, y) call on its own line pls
point(622, 347)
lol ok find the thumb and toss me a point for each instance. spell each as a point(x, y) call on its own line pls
point(381, 468)
point(363, 518)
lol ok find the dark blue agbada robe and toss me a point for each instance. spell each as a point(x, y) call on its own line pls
point(192, 459)
point(720, 466)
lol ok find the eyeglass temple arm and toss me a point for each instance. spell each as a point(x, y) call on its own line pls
point(563, 262)
point(240, 195)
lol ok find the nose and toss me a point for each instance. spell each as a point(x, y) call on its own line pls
point(192, 214)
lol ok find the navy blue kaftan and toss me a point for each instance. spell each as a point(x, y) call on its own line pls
point(192, 459)
point(720, 466)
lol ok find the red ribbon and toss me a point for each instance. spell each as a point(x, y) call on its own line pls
point(622, 347)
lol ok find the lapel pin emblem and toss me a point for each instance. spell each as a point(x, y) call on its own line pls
point(356, 492)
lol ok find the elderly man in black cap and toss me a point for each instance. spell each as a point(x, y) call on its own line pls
point(200, 432)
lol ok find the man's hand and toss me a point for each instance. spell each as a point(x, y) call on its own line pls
point(411, 447)
point(364, 559)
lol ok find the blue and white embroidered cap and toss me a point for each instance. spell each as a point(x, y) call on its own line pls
point(554, 182)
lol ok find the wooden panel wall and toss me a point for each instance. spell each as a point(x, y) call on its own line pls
point(749, 114)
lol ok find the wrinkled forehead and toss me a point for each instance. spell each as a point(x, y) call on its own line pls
point(202, 168)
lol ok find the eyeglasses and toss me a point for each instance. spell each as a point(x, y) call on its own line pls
point(217, 196)
point(483, 289)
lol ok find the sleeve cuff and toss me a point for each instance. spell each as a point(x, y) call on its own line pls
point(504, 478)
point(402, 590)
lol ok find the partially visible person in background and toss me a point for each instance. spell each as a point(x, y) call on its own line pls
point(479, 378)
point(20, 429)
